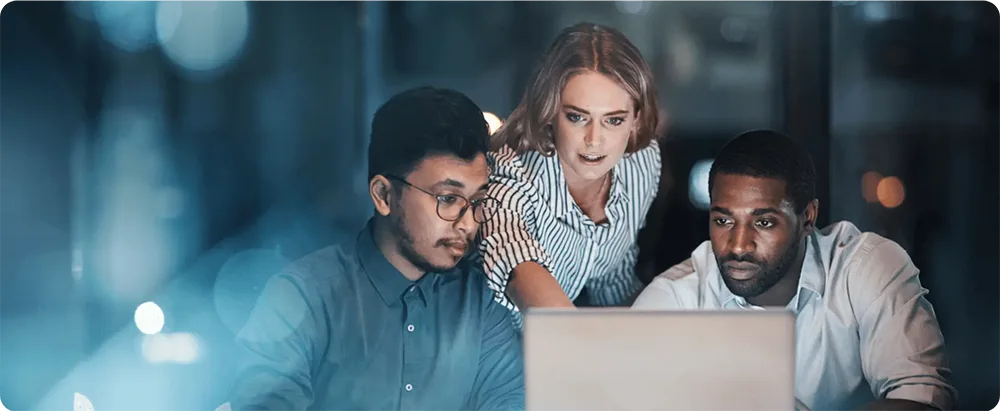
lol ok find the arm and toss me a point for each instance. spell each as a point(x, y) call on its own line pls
point(499, 384)
point(534, 286)
point(278, 345)
point(886, 404)
point(902, 349)
point(513, 259)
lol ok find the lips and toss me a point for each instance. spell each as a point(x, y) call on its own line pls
point(592, 158)
point(457, 247)
point(741, 270)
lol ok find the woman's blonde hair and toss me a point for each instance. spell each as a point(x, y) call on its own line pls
point(580, 48)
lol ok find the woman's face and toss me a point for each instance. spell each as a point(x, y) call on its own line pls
point(594, 122)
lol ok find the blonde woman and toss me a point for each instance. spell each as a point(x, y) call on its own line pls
point(576, 168)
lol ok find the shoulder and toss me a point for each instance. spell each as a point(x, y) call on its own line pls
point(646, 161)
point(651, 152)
point(509, 164)
point(864, 260)
point(695, 270)
point(320, 273)
point(852, 249)
point(325, 263)
point(514, 174)
point(297, 296)
point(642, 170)
point(682, 285)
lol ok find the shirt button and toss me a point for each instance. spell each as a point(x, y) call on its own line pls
point(410, 329)
point(410, 290)
point(408, 387)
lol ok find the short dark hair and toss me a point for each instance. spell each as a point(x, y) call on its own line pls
point(769, 154)
point(421, 122)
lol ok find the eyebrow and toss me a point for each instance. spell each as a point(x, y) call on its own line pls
point(450, 183)
point(721, 210)
point(756, 212)
point(575, 108)
point(761, 211)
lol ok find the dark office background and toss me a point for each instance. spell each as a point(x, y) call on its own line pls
point(180, 153)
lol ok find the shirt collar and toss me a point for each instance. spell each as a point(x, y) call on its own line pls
point(556, 192)
point(390, 284)
point(811, 280)
point(813, 276)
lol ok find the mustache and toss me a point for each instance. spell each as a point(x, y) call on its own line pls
point(744, 258)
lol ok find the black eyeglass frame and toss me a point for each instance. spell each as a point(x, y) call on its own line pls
point(439, 197)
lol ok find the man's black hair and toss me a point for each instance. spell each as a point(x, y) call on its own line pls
point(769, 154)
point(422, 122)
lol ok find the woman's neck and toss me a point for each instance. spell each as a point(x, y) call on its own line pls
point(590, 195)
point(587, 190)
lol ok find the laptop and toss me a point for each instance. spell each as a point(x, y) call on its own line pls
point(624, 359)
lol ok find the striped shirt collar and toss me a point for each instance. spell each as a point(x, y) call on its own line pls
point(811, 280)
point(556, 191)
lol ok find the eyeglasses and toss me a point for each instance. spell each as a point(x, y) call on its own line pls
point(451, 207)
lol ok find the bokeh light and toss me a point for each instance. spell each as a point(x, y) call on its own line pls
point(149, 318)
point(177, 348)
point(891, 192)
point(202, 37)
point(82, 403)
point(493, 121)
point(127, 25)
point(637, 7)
point(135, 249)
point(869, 186)
point(698, 184)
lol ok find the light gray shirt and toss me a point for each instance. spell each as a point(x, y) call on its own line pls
point(863, 327)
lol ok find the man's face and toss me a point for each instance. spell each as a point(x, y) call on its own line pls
point(755, 233)
point(430, 242)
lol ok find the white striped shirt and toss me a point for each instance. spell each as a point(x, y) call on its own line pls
point(539, 221)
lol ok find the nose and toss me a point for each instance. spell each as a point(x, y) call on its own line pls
point(741, 240)
point(466, 224)
point(592, 135)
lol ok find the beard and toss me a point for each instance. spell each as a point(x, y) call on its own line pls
point(406, 243)
point(769, 275)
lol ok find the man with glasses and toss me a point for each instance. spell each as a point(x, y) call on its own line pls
point(398, 319)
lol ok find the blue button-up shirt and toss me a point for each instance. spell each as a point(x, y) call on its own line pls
point(342, 329)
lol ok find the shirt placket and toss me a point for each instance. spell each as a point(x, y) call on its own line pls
point(413, 359)
point(590, 231)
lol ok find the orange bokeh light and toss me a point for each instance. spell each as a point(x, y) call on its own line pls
point(890, 192)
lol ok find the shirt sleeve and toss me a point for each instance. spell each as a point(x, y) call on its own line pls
point(499, 383)
point(902, 348)
point(508, 238)
point(278, 345)
point(622, 285)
